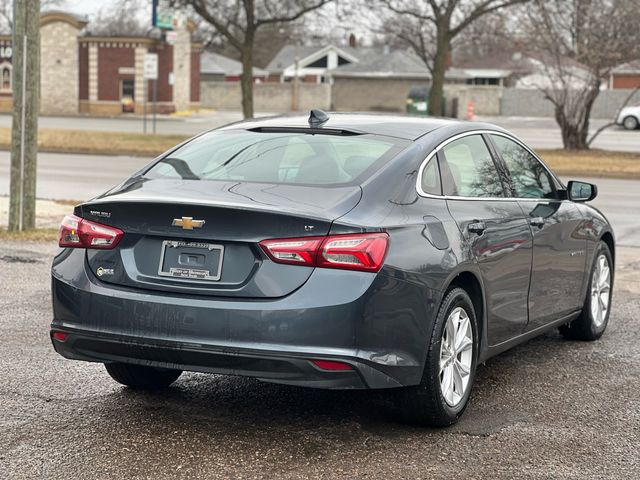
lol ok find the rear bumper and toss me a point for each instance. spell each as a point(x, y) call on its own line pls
point(292, 369)
point(376, 323)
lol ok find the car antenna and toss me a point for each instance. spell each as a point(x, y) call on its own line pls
point(317, 118)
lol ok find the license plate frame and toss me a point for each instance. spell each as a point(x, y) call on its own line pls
point(187, 273)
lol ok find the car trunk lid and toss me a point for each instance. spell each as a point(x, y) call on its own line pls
point(201, 237)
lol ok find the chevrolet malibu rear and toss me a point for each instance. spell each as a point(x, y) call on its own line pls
point(346, 252)
point(227, 255)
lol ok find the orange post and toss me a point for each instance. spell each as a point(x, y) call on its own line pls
point(469, 110)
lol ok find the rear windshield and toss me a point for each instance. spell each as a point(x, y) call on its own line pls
point(289, 157)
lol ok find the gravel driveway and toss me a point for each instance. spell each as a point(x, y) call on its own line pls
point(549, 408)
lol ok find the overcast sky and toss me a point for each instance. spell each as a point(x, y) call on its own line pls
point(91, 7)
point(317, 24)
point(84, 7)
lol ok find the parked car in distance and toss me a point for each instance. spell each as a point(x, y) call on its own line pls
point(418, 101)
point(342, 251)
point(629, 117)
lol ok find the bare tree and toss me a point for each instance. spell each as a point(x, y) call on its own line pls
point(122, 17)
point(579, 42)
point(429, 28)
point(238, 21)
point(632, 94)
point(6, 11)
point(268, 42)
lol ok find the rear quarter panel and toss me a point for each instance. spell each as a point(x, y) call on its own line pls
point(424, 255)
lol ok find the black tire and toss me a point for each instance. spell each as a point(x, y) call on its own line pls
point(138, 376)
point(425, 404)
point(585, 326)
point(630, 123)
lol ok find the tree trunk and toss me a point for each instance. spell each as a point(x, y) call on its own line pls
point(246, 79)
point(443, 47)
point(575, 127)
point(24, 133)
point(572, 137)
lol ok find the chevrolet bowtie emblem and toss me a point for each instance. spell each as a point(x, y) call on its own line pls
point(187, 223)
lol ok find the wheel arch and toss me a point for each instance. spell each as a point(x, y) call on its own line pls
point(607, 237)
point(470, 282)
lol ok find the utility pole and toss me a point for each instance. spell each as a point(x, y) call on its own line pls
point(26, 105)
point(296, 85)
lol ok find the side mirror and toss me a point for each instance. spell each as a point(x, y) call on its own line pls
point(581, 191)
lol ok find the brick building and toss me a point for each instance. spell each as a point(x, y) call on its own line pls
point(104, 75)
point(625, 76)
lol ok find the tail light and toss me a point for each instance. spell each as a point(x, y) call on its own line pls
point(60, 336)
point(362, 251)
point(76, 232)
point(331, 365)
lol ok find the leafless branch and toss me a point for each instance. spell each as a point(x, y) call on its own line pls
point(611, 124)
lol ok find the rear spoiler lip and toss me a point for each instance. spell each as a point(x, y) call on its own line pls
point(308, 130)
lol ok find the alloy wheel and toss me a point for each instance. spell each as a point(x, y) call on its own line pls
point(456, 356)
point(600, 290)
point(630, 123)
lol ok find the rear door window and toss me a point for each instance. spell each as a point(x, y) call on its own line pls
point(430, 181)
point(468, 170)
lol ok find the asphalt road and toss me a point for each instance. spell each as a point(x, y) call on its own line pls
point(64, 176)
point(536, 132)
point(547, 409)
point(544, 133)
point(190, 125)
point(80, 177)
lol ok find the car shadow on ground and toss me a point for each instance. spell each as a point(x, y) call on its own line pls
point(201, 401)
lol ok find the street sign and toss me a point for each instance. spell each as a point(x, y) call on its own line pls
point(162, 14)
point(151, 66)
point(171, 37)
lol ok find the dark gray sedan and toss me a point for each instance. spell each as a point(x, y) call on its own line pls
point(342, 251)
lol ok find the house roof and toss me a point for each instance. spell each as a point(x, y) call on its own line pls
point(372, 62)
point(504, 63)
point(376, 63)
point(626, 68)
point(286, 57)
point(212, 63)
point(486, 72)
point(513, 61)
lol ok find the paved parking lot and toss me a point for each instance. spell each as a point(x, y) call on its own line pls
point(547, 409)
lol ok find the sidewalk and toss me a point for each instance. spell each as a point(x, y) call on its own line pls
point(49, 213)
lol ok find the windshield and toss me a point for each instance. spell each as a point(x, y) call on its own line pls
point(289, 157)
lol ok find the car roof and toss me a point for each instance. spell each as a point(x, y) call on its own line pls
point(401, 126)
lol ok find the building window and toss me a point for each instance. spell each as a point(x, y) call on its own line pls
point(5, 77)
point(128, 89)
point(127, 95)
point(320, 63)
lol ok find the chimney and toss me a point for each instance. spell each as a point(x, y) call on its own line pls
point(352, 40)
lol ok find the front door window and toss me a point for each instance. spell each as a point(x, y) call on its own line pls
point(529, 177)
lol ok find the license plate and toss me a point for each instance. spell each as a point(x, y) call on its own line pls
point(191, 260)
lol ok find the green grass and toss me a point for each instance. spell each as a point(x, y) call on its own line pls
point(36, 235)
point(99, 143)
point(593, 163)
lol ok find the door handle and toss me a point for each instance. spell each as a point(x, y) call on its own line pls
point(536, 222)
point(476, 227)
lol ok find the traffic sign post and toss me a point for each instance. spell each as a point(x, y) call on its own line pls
point(150, 73)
